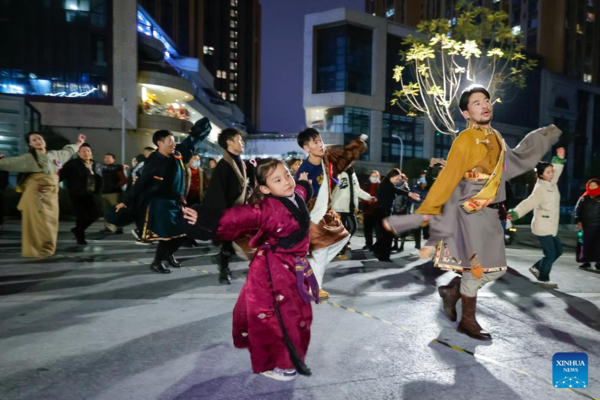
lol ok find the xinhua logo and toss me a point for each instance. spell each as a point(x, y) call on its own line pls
point(570, 370)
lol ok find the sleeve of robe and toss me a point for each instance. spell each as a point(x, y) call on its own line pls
point(530, 151)
point(239, 221)
point(65, 154)
point(460, 160)
point(22, 163)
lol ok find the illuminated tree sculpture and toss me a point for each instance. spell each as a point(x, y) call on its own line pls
point(478, 47)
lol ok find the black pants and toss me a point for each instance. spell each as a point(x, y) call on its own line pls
point(417, 233)
point(86, 211)
point(167, 248)
point(369, 225)
point(383, 248)
point(349, 221)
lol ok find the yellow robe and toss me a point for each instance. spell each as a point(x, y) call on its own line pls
point(464, 156)
point(39, 209)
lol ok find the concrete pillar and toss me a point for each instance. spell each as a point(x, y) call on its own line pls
point(375, 136)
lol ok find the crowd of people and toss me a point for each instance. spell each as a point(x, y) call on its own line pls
point(293, 219)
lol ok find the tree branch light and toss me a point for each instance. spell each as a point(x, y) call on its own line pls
point(477, 47)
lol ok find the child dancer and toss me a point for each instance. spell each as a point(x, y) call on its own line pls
point(273, 315)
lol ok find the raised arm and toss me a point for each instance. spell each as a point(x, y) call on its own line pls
point(22, 163)
point(198, 134)
point(530, 151)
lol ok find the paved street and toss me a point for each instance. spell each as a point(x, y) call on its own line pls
point(93, 322)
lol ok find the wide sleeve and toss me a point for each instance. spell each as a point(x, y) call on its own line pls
point(530, 151)
point(534, 199)
point(304, 190)
point(65, 154)
point(151, 168)
point(198, 134)
point(23, 163)
point(459, 161)
point(239, 221)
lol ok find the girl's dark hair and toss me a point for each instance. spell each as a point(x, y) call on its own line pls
point(466, 94)
point(265, 167)
point(541, 167)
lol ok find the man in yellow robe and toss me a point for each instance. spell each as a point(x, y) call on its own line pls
point(462, 205)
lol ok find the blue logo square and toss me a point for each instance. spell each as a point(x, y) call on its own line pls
point(570, 370)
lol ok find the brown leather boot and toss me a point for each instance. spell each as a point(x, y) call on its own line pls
point(468, 324)
point(450, 295)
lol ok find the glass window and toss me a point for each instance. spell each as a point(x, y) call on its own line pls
point(344, 58)
point(234, 55)
point(409, 129)
point(233, 66)
point(233, 23)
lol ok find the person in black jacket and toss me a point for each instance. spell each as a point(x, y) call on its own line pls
point(227, 188)
point(587, 217)
point(157, 199)
point(83, 184)
point(386, 193)
point(3, 186)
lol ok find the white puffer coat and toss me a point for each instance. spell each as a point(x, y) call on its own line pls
point(545, 203)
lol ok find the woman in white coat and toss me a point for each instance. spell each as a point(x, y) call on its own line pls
point(545, 203)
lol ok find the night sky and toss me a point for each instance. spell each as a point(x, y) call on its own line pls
point(282, 60)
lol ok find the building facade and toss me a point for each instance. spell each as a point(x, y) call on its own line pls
point(226, 36)
point(108, 70)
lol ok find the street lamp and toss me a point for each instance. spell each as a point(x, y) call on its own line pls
point(401, 149)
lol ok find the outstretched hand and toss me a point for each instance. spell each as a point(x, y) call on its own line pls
point(119, 207)
point(191, 215)
point(303, 176)
point(80, 140)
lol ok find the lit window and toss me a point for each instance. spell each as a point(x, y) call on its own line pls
point(234, 3)
point(233, 55)
point(233, 76)
point(233, 45)
point(516, 29)
point(223, 95)
point(209, 50)
point(591, 17)
point(233, 66)
point(233, 23)
point(221, 74)
point(579, 30)
point(587, 78)
point(233, 87)
point(232, 97)
point(234, 13)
